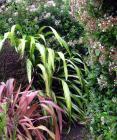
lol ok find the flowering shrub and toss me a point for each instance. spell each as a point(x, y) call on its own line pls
point(66, 25)
point(100, 26)
point(102, 119)
point(32, 16)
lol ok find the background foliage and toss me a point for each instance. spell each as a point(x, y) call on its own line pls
point(100, 21)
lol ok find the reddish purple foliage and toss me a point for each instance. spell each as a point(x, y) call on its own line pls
point(25, 119)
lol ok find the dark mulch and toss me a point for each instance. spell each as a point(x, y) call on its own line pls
point(11, 65)
point(77, 132)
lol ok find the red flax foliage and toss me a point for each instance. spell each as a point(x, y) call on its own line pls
point(25, 119)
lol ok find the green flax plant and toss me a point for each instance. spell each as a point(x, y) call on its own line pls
point(59, 74)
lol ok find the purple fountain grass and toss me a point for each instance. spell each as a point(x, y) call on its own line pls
point(24, 117)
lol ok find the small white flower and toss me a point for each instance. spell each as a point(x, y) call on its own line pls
point(70, 43)
point(99, 24)
point(36, 19)
point(1, 10)
point(45, 5)
point(8, 1)
point(27, 9)
point(51, 3)
point(32, 8)
point(36, 26)
point(57, 22)
point(102, 120)
point(10, 20)
point(99, 44)
point(15, 14)
point(105, 15)
point(102, 82)
point(53, 17)
point(26, 20)
point(114, 100)
point(6, 9)
point(2, 7)
point(94, 46)
point(47, 15)
point(18, 1)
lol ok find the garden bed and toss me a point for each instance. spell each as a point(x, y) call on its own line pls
point(78, 132)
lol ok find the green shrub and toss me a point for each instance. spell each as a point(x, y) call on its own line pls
point(33, 16)
point(21, 13)
point(100, 8)
point(62, 21)
point(99, 19)
point(102, 115)
point(102, 87)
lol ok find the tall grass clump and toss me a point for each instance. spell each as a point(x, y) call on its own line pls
point(59, 74)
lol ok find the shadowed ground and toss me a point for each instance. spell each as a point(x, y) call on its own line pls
point(11, 65)
point(77, 133)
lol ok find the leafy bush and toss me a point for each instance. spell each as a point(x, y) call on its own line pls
point(102, 95)
point(32, 16)
point(102, 115)
point(107, 37)
point(56, 17)
point(22, 114)
point(102, 89)
point(100, 8)
point(100, 38)
point(21, 13)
